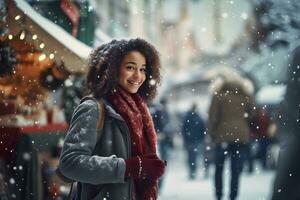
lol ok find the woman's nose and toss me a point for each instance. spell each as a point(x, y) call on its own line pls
point(137, 73)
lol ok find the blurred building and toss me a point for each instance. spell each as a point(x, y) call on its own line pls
point(193, 36)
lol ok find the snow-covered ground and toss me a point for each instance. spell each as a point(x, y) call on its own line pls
point(177, 186)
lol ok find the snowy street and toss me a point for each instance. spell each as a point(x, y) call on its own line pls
point(177, 186)
point(99, 99)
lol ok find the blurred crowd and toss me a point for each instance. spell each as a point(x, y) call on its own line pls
point(251, 136)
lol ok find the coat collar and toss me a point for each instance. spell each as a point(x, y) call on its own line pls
point(110, 111)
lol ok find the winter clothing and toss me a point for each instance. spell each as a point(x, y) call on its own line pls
point(149, 166)
point(260, 125)
point(287, 179)
point(230, 113)
point(143, 137)
point(237, 157)
point(163, 128)
point(160, 118)
point(136, 114)
point(164, 131)
point(193, 128)
point(229, 119)
point(262, 122)
point(193, 136)
point(98, 166)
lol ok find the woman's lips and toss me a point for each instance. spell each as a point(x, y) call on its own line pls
point(134, 82)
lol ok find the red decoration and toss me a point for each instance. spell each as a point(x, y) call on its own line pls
point(72, 12)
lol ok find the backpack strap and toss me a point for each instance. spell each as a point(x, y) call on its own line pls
point(101, 115)
point(100, 124)
point(101, 118)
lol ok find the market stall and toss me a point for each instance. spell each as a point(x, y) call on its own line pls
point(32, 151)
point(37, 58)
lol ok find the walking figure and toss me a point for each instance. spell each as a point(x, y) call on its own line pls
point(193, 136)
point(164, 130)
point(229, 117)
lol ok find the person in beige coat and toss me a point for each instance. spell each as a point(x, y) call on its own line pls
point(228, 125)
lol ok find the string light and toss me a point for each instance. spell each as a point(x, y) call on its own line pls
point(22, 35)
point(42, 45)
point(42, 57)
point(17, 17)
point(51, 56)
point(25, 32)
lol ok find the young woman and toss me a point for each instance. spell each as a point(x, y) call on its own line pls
point(122, 163)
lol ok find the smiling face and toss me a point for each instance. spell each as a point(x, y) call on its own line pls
point(132, 72)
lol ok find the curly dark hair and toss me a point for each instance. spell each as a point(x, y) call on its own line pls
point(105, 62)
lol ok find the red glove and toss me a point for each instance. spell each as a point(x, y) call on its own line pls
point(148, 166)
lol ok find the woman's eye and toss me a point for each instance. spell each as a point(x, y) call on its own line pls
point(129, 68)
point(143, 70)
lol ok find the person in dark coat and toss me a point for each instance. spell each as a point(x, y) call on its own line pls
point(193, 135)
point(123, 162)
point(287, 179)
point(164, 131)
point(259, 134)
point(262, 122)
point(163, 128)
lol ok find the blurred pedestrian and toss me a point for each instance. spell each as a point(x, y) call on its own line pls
point(259, 141)
point(122, 163)
point(164, 130)
point(229, 117)
point(262, 123)
point(193, 138)
point(287, 180)
point(251, 148)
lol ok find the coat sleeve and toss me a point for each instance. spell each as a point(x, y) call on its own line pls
point(76, 159)
point(252, 109)
point(213, 116)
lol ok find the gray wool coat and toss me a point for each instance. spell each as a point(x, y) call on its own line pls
point(97, 164)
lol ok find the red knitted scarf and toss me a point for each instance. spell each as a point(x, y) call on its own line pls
point(142, 134)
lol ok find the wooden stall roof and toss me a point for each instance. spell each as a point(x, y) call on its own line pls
point(65, 48)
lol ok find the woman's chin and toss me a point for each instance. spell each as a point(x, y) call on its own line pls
point(131, 90)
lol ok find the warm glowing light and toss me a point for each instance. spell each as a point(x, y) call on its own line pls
point(42, 45)
point(34, 37)
point(10, 37)
point(42, 57)
point(22, 36)
point(51, 56)
point(17, 17)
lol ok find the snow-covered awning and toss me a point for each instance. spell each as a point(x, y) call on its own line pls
point(271, 94)
point(65, 48)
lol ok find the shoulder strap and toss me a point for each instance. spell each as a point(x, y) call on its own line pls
point(101, 109)
point(101, 118)
point(100, 124)
point(101, 115)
